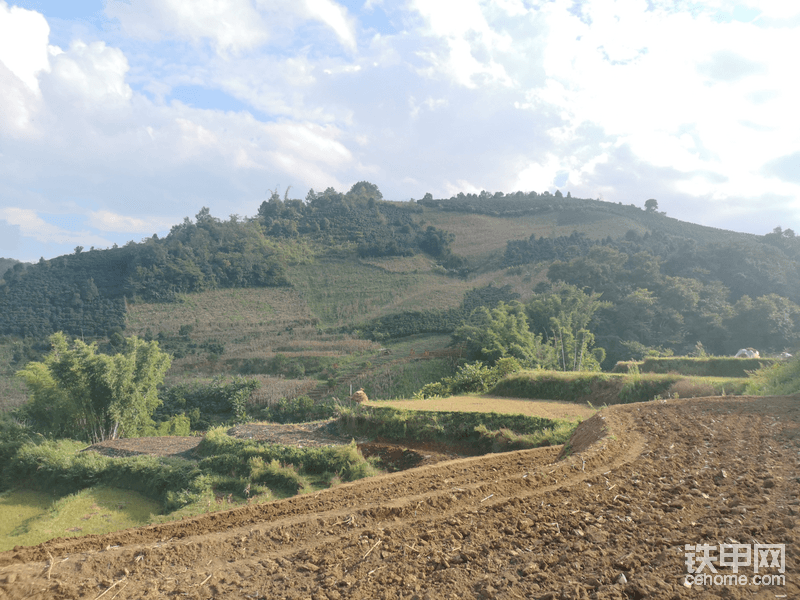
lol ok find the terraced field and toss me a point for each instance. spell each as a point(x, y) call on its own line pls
point(608, 517)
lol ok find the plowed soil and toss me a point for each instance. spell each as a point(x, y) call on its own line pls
point(608, 519)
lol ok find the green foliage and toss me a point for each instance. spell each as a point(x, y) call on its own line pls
point(61, 468)
point(776, 379)
point(504, 440)
point(712, 366)
point(231, 456)
point(466, 429)
point(610, 388)
point(179, 425)
point(79, 393)
point(85, 293)
point(208, 404)
point(379, 228)
point(563, 317)
point(490, 335)
point(275, 475)
point(470, 378)
point(298, 410)
point(437, 321)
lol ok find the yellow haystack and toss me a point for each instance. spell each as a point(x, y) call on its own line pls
point(359, 396)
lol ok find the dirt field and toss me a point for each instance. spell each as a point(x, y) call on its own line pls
point(548, 409)
point(610, 521)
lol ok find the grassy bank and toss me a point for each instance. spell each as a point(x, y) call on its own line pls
point(549, 409)
point(29, 517)
point(709, 366)
point(476, 433)
point(613, 388)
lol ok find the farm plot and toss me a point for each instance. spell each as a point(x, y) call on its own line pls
point(610, 519)
point(548, 409)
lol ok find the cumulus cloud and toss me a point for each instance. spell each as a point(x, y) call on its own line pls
point(690, 103)
point(23, 43)
point(233, 25)
point(230, 25)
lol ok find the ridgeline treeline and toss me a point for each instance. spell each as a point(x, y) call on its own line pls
point(85, 293)
point(664, 286)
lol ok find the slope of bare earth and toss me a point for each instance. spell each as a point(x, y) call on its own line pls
point(611, 520)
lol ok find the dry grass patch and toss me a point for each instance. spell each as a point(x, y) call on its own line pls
point(548, 409)
point(228, 312)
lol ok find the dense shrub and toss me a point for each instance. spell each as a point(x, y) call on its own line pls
point(298, 410)
point(231, 456)
point(473, 432)
point(716, 366)
point(777, 379)
point(608, 388)
point(471, 377)
point(61, 468)
point(207, 404)
point(437, 321)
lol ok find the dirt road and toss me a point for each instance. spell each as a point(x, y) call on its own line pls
point(609, 521)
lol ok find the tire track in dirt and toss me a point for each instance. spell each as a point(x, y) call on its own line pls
point(640, 482)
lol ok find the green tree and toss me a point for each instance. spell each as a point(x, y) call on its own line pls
point(563, 317)
point(79, 393)
point(651, 205)
point(490, 335)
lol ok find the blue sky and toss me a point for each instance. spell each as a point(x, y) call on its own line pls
point(118, 118)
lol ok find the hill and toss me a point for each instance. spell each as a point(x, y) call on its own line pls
point(308, 293)
point(6, 264)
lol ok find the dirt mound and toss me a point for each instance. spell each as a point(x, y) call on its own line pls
point(609, 521)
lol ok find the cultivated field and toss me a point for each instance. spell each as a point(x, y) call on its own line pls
point(548, 409)
point(609, 518)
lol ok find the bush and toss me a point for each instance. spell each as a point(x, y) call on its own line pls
point(274, 475)
point(780, 378)
point(609, 388)
point(61, 468)
point(207, 404)
point(471, 377)
point(459, 428)
point(299, 410)
point(231, 456)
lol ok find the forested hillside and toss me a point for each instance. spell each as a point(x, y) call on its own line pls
point(85, 293)
point(386, 270)
point(6, 264)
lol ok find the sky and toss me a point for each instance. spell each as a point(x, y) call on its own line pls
point(118, 118)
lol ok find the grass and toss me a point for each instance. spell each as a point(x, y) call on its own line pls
point(709, 366)
point(480, 235)
point(613, 388)
point(28, 517)
point(473, 432)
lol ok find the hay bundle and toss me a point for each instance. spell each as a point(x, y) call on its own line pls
point(359, 396)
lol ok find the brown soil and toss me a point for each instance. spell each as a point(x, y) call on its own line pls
point(609, 521)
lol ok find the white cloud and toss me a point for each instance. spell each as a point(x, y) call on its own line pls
point(232, 25)
point(23, 43)
point(684, 101)
point(94, 73)
point(108, 221)
point(33, 226)
point(334, 16)
point(468, 48)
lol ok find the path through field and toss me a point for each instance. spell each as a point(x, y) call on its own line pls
point(610, 521)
